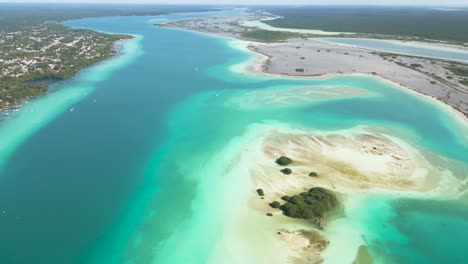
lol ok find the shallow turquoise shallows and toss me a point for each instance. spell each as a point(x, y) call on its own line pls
point(119, 164)
point(405, 48)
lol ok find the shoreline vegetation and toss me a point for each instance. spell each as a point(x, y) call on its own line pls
point(36, 49)
point(404, 23)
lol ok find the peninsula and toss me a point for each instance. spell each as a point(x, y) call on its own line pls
point(296, 52)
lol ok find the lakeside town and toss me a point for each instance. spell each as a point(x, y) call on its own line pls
point(32, 54)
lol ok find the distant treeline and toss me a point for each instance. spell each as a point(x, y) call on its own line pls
point(15, 17)
point(424, 22)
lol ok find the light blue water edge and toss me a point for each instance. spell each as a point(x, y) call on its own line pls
point(405, 48)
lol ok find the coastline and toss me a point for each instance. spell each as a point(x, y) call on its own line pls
point(258, 66)
point(40, 110)
point(283, 58)
point(263, 61)
point(409, 43)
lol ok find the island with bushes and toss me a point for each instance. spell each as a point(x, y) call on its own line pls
point(310, 205)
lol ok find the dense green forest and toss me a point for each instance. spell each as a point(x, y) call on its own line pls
point(420, 22)
point(269, 36)
point(16, 16)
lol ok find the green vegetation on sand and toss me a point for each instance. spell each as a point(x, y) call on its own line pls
point(275, 204)
point(458, 70)
point(283, 161)
point(260, 192)
point(307, 205)
point(269, 36)
point(461, 71)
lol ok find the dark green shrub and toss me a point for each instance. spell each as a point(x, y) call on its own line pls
point(307, 205)
point(275, 204)
point(286, 171)
point(260, 192)
point(416, 65)
point(283, 161)
point(313, 174)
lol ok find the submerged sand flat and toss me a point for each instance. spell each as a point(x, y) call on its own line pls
point(356, 159)
point(294, 96)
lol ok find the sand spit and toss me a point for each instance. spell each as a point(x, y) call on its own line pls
point(310, 56)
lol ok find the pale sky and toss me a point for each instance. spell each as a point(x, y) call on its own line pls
point(269, 2)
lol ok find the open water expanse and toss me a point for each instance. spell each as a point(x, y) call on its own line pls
point(124, 162)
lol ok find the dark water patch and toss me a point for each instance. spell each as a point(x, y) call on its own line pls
point(433, 231)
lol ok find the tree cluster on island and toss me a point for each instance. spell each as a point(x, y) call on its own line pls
point(307, 205)
point(310, 205)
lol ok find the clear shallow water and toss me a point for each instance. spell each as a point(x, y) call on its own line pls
point(403, 48)
point(131, 173)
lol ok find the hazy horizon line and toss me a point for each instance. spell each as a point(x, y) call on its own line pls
point(237, 5)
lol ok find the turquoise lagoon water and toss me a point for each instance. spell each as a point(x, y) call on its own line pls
point(134, 174)
point(409, 48)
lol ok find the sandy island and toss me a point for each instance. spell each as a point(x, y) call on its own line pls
point(352, 163)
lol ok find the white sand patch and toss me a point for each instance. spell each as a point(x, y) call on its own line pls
point(263, 26)
point(291, 96)
point(345, 240)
